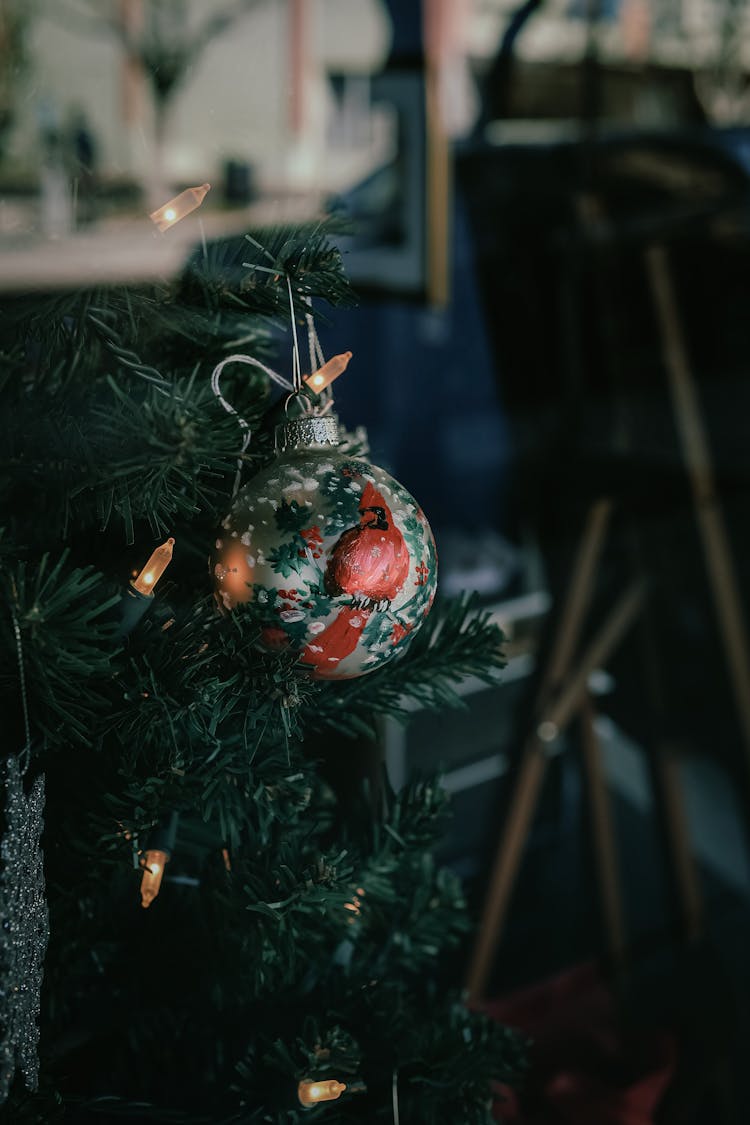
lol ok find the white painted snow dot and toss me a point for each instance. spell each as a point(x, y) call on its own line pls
point(292, 615)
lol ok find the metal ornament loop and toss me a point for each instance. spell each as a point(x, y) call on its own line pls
point(302, 433)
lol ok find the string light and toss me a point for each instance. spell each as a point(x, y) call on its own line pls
point(161, 845)
point(177, 208)
point(355, 905)
point(154, 568)
point(311, 1093)
point(331, 370)
point(154, 863)
point(137, 596)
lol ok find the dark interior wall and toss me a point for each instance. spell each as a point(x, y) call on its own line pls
point(560, 238)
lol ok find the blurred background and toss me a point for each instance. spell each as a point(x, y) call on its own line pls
point(546, 211)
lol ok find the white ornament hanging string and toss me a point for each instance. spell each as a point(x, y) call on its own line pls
point(294, 388)
point(244, 424)
point(296, 365)
point(317, 359)
point(312, 341)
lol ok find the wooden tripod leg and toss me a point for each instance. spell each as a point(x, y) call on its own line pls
point(533, 758)
point(577, 596)
point(663, 764)
point(596, 655)
point(603, 836)
point(507, 861)
point(719, 561)
point(531, 774)
point(665, 772)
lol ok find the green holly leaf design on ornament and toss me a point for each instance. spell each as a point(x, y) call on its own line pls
point(343, 490)
point(377, 631)
point(413, 532)
point(291, 516)
point(321, 602)
point(286, 558)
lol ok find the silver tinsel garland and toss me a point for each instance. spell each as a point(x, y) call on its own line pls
point(24, 929)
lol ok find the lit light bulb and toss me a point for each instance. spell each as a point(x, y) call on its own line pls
point(235, 575)
point(331, 370)
point(154, 568)
point(153, 872)
point(177, 208)
point(355, 905)
point(310, 1093)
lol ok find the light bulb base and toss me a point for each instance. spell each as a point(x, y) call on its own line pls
point(133, 607)
point(134, 592)
point(163, 835)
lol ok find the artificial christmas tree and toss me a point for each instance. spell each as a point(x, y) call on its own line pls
point(291, 953)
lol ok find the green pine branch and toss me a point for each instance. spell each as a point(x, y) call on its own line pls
point(251, 274)
point(68, 637)
point(456, 641)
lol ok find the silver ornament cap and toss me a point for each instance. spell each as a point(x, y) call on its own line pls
point(312, 431)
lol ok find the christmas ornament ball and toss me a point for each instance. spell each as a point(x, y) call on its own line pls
point(333, 557)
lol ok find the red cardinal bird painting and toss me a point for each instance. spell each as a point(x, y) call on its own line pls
point(337, 641)
point(370, 561)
